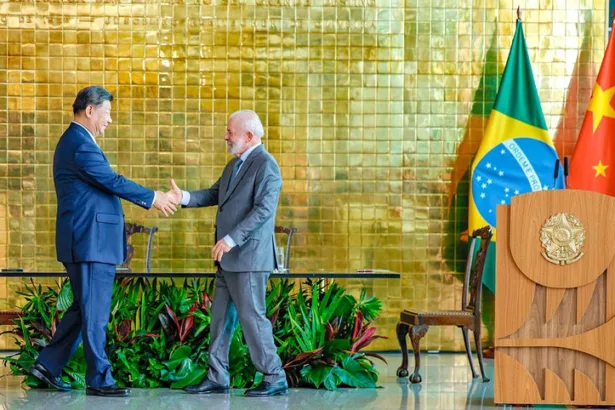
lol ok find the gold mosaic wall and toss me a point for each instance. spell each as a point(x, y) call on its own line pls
point(373, 109)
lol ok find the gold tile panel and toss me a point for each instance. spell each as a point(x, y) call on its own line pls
point(366, 106)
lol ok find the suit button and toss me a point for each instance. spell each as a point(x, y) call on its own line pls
point(221, 209)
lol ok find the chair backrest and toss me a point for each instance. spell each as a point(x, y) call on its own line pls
point(475, 267)
point(132, 229)
point(289, 237)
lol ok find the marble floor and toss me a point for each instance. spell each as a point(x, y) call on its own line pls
point(447, 384)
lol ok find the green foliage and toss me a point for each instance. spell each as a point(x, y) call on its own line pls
point(159, 333)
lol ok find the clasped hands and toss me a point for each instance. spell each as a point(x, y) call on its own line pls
point(166, 202)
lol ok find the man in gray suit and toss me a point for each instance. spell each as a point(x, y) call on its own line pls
point(247, 197)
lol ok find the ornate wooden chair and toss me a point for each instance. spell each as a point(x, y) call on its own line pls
point(289, 237)
point(132, 229)
point(467, 318)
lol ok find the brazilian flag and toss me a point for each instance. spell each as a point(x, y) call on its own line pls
point(516, 154)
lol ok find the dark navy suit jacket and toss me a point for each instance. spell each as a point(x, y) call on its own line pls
point(90, 220)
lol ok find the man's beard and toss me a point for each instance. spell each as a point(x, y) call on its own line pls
point(234, 148)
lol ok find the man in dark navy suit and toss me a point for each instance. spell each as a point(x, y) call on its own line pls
point(90, 242)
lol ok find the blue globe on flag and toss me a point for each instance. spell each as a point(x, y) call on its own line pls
point(513, 167)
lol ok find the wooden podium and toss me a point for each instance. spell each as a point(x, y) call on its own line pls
point(555, 299)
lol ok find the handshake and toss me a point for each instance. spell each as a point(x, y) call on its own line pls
point(166, 202)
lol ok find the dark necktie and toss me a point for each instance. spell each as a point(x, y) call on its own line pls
point(235, 171)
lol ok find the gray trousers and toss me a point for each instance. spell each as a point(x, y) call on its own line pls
point(241, 296)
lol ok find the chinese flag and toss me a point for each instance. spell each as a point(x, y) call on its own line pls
point(592, 166)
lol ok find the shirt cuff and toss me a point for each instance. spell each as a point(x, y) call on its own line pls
point(185, 198)
point(154, 200)
point(229, 241)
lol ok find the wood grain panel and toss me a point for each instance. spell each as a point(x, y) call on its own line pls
point(528, 214)
point(522, 391)
point(514, 291)
point(610, 314)
point(563, 323)
point(554, 299)
point(555, 330)
point(610, 379)
point(555, 389)
point(561, 362)
point(584, 390)
point(610, 290)
point(597, 342)
point(584, 296)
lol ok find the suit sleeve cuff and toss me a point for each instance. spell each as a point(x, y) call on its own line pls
point(185, 198)
point(229, 241)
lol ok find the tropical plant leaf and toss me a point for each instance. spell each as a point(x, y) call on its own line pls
point(41, 328)
point(173, 317)
point(358, 378)
point(187, 323)
point(33, 382)
point(178, 356)
point(77, 380)
point(65, 297)
point(303, 357)
point(365, 339)
point(123, 329)
point(336, 346)
point(159, 333)
point(377, 356)
point(194, 377)
point(354, 375)
point(333, 328)
point(358, 325)
point(166, 324)
point(321, 375)
point(369, 308)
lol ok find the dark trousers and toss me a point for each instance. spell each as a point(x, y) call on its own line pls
point(86, 320)
point(240, 297)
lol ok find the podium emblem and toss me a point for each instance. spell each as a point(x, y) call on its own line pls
point(562, 237)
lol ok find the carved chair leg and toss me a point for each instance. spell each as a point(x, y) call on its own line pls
point(466, 341)
point(402, 333)
point(479, 352)
point(416, 334)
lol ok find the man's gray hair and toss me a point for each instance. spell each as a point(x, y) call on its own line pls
point(93, 95)
point(251, 122)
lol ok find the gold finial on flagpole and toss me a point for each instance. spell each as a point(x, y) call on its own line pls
point(518, 13)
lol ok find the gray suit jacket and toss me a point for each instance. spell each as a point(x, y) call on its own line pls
point(246, 211)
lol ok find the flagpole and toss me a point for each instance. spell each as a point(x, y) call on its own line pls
point(518, 13)
point(609, 27)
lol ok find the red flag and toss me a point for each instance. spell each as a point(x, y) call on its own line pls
point(592, 166)
point(579, 93)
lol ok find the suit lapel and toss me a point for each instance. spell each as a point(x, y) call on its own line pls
point(226, 175)
point(83, 133)
point(244, 169)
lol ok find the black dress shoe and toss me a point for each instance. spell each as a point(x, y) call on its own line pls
point(206, 387)
point(107, 391)
point(43, 374)
point(268, 389)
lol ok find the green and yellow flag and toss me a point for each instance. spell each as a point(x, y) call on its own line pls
point(516, 154)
